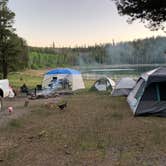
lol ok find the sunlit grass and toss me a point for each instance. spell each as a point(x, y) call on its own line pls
point(17, 79)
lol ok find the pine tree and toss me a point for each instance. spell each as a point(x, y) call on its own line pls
point(6, 30)
point(13, 49)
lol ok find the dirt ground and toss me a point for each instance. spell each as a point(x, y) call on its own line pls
point(94, 130)
point(19, 108)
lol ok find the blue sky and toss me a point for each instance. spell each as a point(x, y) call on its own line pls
point(73, 22)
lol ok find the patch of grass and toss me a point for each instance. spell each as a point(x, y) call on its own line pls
point(117, 115)
point(102, 144)
point(88, 83)
point(17, 79)
point(158, 135)
point(42, 112)
point(15, 123)
point(11, 155)
point(87, 145)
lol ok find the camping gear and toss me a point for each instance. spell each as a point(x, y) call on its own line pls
point(62, 105)
point(1, 103)
point(26, 103)
point(65, 78)
point(148, 97)
point(123, 87)
point(10, 109)
point(24, 89)
point(103, 84)
point(5, 89)
point(11, 92)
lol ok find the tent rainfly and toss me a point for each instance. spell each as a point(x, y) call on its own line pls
point(73, 76)
point(123, 87)
point(148, 97)
point(103, 84)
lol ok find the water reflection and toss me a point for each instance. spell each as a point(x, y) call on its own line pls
point(117, 72)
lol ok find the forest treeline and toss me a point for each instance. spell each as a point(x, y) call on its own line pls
point(145, 51)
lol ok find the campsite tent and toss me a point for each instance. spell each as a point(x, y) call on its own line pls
point(103, 84)
point(72, 76)
point(148, 97)
point(123, 87)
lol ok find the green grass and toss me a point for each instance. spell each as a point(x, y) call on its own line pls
point(14, 123)
point(89, 83)
point(18, 79)
point(42, 112)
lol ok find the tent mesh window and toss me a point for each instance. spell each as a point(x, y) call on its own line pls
point(155, 92)
point(150, 93)
point(162, 91)
point(102, 81)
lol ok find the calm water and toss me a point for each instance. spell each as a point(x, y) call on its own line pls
point(116, 71)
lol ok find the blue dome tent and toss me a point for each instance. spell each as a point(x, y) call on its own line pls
point(74, 77)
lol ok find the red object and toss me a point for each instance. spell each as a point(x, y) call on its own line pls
point(10, 109)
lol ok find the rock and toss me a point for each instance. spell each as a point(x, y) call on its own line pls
point(1, 160)
point(30, 137)
point(65, 146)
point(42, 133)
point(26, 103)
point(67, 152)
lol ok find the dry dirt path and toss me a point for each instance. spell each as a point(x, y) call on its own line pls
point(18, 108)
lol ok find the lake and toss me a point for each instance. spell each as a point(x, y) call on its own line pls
point(117, 71)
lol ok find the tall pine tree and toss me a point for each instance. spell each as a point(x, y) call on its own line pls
point(13, 49)
point(6, 31)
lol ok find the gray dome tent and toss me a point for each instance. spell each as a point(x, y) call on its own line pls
point(148, 97)
point(103, 84)
point(123, 87)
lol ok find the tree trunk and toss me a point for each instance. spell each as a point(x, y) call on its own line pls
point(4, 69)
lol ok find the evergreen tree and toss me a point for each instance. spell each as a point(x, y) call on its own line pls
point(6, 29)
point(13, 49)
